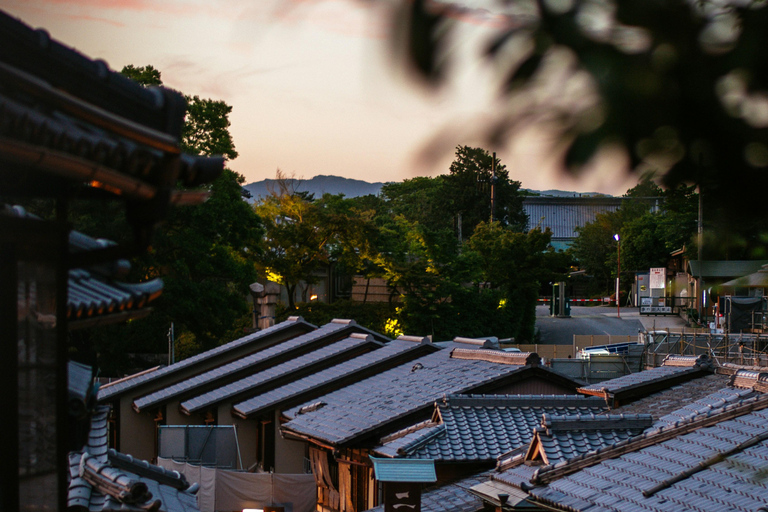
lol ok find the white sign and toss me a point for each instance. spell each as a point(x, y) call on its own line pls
point(658, 277)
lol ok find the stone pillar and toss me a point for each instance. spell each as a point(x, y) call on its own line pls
point(264, 303)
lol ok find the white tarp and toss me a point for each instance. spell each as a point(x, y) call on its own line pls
point(223, 491)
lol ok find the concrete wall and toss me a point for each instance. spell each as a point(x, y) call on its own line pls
point(247, 434)
point(534, 386)
point(289, 454)
point(174, 416)
point(136, 431)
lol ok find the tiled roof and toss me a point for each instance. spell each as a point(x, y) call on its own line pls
point(705, 405)
point(89, 296)
point(560, 438)
point(94, 295)
point(302, 389)
point(64, 116)
point(668, 400)
point(397, 396)
point(104, 480)
point(716, 465)
point(316, 360)
point(481, 428)
point(675, 369)
point(276, 354)
point(453, 497)
point(118, 387)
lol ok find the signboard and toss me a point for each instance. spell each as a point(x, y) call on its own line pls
point(402, 497)
point(654, 306)
point(655, 310)
point(658, 277)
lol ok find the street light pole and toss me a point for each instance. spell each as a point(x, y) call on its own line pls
point(618, 275)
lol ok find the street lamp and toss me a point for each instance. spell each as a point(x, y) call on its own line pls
point(618, 274)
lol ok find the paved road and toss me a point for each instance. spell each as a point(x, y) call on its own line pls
point(596, 320)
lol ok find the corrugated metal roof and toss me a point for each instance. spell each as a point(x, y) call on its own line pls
point(724, 269)
point(267, 357)
point(404, 470)
point(564, 215)
point(302, 389)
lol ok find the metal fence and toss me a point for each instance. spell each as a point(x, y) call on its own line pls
point(215, 446)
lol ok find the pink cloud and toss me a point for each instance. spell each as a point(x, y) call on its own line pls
point(83, 17)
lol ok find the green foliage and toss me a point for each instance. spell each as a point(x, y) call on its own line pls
point(206, 128)
point(145, 75)
point(679, 85)
point(371, 316)
point(203, 253)
point(516, 264)
point(649, 233)
point(304, 235)
point(471, 184)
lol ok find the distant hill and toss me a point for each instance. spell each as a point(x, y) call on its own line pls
point(322, 184)
point(565, 193)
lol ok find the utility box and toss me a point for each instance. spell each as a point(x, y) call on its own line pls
point(560, 305)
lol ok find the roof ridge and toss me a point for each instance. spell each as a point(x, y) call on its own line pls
point(408, 430)
point(423, 440)
point(490, 400)
point(496, 356)
point(547, 474)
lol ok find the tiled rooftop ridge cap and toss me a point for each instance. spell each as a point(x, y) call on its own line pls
point(547, 474)
point(143, 468)
point(497, 356)
point(703, 361)
point(130, 377)
point(343, 321)
point(480, 342)
point(310, 408)
point(422, 441)
point(593, 422)
point(408, 430)
point(523, 401)
point(750, 379)
point(415, 339)
point(113, 482)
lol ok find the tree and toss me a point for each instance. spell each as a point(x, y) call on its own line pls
point(477, 182)
point(203, 253)
point(304, 235)
point(145, 75)
point(514, 263)
point(649, 232)
point(679, 85)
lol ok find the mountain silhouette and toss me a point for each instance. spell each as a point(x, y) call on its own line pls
point(324, 184)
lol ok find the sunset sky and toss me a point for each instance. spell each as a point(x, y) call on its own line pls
point(312, 83)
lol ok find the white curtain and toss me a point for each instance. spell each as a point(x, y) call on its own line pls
point(222, 490)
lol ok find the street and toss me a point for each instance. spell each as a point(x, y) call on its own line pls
point(597, 320)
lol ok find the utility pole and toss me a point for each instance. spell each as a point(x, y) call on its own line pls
point(171, 346)
point(493, 185)
point(618, 275)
